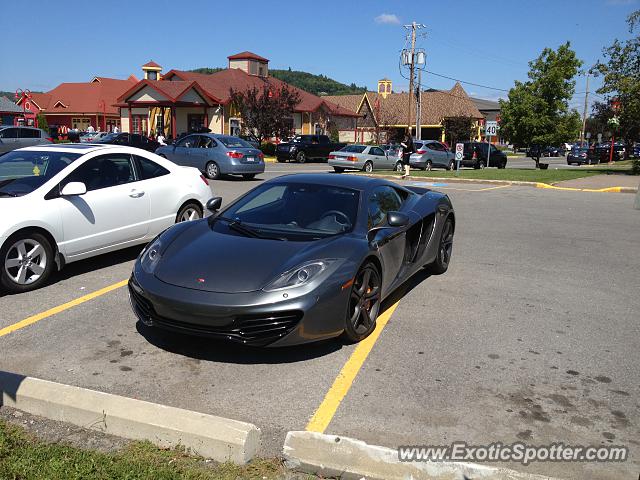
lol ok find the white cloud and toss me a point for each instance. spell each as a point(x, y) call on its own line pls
point(387, 19)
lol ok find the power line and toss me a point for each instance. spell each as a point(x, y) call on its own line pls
point(468, 83)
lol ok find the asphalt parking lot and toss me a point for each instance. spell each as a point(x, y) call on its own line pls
point(531, 336)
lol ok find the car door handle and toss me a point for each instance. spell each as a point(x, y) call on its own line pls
point(136, 193)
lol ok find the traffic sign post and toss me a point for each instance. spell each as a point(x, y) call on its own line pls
point(459, 153)
point(490, 130)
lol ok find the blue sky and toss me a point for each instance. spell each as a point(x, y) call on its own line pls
point(487, 42)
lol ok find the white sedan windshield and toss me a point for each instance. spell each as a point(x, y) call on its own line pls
point(22, 171)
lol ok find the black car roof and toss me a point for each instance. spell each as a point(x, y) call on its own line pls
point(358, 182)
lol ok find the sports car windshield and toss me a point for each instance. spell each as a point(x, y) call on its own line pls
point(295, 211)
point(23, 171)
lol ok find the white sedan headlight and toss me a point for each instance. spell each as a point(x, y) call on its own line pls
point(300, 275)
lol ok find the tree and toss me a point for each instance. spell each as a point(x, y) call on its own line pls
point(620, 72)
point(459, 129)
point(266, 112)
point(42, 122)
point(537, 111)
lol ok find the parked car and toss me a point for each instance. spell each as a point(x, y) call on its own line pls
point(12, 138)
point(636, 150)
point(91, 137)
point(363, 157)
point(306, 147)
point(581, 156)
point(251, 140)
point(298, 259)
point(215, 155)
point(131, 140)
point(63, 203)
point(432, 154)
point(539, 151)
point(475, 155)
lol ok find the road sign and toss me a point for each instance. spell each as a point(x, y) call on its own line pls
point(588, 135)
point(491, 128)
point(599, 138)
point(459, 153)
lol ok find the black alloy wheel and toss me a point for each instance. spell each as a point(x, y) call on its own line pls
point(364, 304)
point(441, 263)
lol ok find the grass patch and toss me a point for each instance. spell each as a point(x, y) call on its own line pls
point(511, 174)
point(22, 456)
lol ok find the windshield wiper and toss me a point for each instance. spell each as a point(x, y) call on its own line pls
point(236, 224)
point(9, 194)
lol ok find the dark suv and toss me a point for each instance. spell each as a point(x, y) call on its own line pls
point(475, 155)
point(130, 140)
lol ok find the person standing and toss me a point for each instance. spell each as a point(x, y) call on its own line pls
point(90, 129)
point(160, 139)
point(116, 129)
point(408, 148)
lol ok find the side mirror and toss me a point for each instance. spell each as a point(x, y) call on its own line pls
point(397, 219)
point(73, 189)
point(214, 204)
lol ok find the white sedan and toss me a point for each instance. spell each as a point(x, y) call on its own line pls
point(63, 203)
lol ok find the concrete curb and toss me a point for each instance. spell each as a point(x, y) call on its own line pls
point(506, 182)
point(347, 458)
point(213, 437)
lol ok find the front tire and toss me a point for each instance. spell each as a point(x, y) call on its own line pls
point(27, 261)
point(212, 171)
point(301, 157)
point(248, 176)
point(189, 212)
point(363, 305)
point(445, 246)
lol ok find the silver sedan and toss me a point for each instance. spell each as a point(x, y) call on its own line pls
point(363, 157)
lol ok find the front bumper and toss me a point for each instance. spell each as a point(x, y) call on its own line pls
point(251, 318)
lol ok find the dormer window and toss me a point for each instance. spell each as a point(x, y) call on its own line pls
point(250, 63)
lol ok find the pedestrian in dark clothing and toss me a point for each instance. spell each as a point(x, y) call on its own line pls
point(408, 148)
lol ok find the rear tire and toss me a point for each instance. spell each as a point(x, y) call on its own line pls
point(338, 169)
point(363, 305)
point(27, 260)
point(301, 157)
point(368, 167)
point(399, 167)
point(189, 212)
point(212, 171)
point(248, 176)
point(429, 166)
point(445, 246)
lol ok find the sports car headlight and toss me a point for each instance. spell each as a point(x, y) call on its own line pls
point(300, 275)
point(151, 255)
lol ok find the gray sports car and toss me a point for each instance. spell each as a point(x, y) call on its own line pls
point(215, 155)
point(297, 259)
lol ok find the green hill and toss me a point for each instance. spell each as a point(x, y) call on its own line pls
point(316, 84)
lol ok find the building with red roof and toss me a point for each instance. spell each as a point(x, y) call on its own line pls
point(81, 104)
point(179, 102)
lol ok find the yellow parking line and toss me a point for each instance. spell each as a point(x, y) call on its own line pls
point(60, 308)
point(327, 409)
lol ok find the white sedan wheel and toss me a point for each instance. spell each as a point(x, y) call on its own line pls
point(26, 261)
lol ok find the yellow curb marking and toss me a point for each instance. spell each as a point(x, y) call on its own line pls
point(327, 409)
point(571, 189)
point(60, 308)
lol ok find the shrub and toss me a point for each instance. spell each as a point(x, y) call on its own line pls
point(268, 148)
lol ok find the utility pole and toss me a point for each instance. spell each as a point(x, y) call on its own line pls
point(409, 58)
point(584, 115)
point(419, 106)
point(411, 70)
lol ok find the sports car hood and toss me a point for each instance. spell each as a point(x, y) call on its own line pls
point(202, 259)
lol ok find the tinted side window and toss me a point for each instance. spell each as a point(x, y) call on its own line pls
point(28, 133)
point(323, 139)
point(188, 142)
point(381, 201)
point(149, 169)
point(103, 172)
point(9, 133)
point(377, 151)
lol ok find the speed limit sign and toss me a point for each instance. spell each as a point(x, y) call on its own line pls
point(491, 129)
